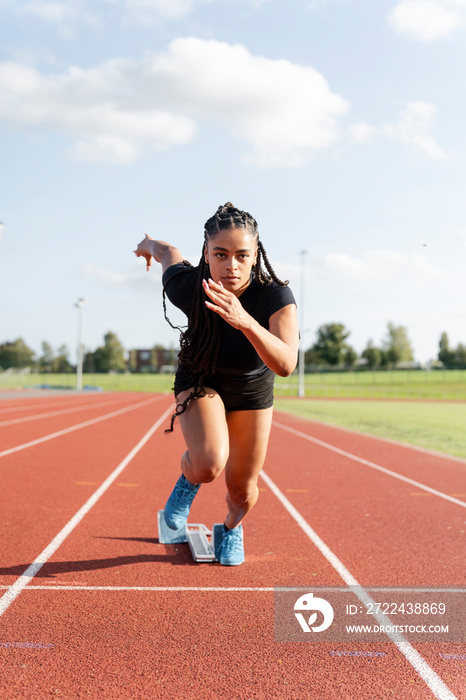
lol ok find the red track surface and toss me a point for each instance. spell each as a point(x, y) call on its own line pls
point(143, 636)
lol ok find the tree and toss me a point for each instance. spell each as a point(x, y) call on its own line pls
point(16, 355)
point(397, 345)
point(46, 359)
point(445, 354)
point(452, 358)
point(89, 362)
point(373, 355)
point(460, 355)
point(61, 363)
point(110, 357)
point(312, 358)
point(349, 357)
point(330, 345)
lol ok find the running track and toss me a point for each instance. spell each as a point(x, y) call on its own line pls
point(91, 605)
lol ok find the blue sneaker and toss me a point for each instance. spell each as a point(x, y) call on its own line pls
point(230, 549)
point(177, 508)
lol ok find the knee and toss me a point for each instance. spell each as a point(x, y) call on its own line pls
point(207, 472)
point(242, 492)
point(208, 466)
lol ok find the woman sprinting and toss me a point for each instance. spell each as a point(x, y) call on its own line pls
point(242, 330)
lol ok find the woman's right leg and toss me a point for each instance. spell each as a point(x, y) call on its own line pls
point(205, 432)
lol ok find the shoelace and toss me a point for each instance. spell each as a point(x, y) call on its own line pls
point(232, 543)
point(184, 490)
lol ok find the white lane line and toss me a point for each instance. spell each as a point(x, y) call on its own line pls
point(416, 448)
point(266, 589)
point(66, 399)
point(428, 675)
point(78, 426)
point(38, 404)
point(161, 589)
point(60, 412)
point(15, 589)
point(355, 458)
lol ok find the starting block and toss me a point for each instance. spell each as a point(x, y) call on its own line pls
point(195, 534)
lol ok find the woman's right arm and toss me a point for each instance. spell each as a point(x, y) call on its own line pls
point(164, 253)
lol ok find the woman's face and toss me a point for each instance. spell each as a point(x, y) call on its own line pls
point(231, 253)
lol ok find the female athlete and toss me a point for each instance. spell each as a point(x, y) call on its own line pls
point(242, 330)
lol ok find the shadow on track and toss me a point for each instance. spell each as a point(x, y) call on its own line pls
point(182, 557)
point(148, 540)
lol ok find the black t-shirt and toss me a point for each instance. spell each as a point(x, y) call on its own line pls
point(237, 356)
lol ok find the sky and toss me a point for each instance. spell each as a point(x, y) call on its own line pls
point(338, 124)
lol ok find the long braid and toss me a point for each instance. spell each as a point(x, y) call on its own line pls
point(186, 263)
point(200, 341)
point(260, 276)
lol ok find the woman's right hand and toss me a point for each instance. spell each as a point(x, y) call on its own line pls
point(162, 252)
point(145, 249)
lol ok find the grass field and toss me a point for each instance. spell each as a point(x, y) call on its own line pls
point(108, 382)
point(433, 425)
point(396, 384)
point(438, 384)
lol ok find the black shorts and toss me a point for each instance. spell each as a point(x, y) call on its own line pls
point(240, 394)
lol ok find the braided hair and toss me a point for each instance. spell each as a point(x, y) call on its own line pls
point(200, 340)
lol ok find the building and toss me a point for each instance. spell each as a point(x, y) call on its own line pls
point(157, 360)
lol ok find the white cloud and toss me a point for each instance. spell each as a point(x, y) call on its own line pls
point(135, 278)
point(413, 128)
point(54, 12)
point(424, 270)
point(282, 110)
point(142, 11)
point(68, 14)
point(92, 105)
point(361, 132)
point(383, 267)
point(104, 149)
point(427, 20)
point(153, 10)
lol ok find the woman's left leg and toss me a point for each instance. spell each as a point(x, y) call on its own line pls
point(249, 437)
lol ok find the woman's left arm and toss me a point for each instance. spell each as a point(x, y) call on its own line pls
point(278, 346)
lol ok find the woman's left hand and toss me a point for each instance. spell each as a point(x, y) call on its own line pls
point(226, 304)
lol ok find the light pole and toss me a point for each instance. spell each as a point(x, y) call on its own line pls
point(303, 254)
point(79, 367)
